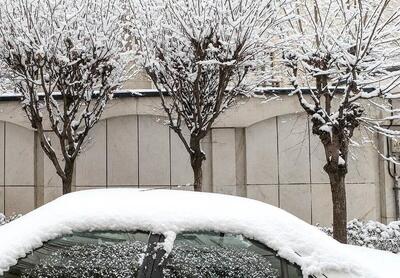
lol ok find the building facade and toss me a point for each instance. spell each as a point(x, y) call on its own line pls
point(258, 149)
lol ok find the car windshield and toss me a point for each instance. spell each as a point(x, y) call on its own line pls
point(85, 255)
point(125, 254)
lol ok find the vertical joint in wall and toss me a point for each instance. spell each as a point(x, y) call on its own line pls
point(38, 171)
point(207, 147)
point(240, 155)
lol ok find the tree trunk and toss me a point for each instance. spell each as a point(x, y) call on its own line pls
point(196, 160)
point(197, 174)
point(336, 151)
point(337, 181)
point(67, 186)
point(67, 180)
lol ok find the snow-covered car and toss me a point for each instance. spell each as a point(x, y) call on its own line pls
point(176, 234)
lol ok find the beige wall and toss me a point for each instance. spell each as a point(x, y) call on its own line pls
point(256, 150)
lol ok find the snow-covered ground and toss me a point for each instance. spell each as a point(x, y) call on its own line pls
point(170, 212)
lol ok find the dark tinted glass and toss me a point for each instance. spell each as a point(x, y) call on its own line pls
point(294, 271)
point(119, 254)
point(94, 254)
point(220, 256)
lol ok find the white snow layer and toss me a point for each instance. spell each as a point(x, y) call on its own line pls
point(171, 211)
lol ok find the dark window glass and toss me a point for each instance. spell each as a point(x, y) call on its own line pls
point(220, 255)
point(294, 271)
point(119, 254)
point(94, 254)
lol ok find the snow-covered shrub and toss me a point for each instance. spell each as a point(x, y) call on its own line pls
point(4, 219)
point(372, 234)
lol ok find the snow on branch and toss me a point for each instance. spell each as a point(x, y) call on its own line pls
point(348, 53)
point(204, 53)
point(74, 48)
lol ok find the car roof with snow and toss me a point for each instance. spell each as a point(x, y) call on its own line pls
point(166, 211)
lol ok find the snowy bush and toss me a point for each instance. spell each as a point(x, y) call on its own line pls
point(372, 234)
point(4, 219)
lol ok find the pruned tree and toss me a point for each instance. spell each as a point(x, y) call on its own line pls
point(347, 55)
point(200, 56)
point(64, 58)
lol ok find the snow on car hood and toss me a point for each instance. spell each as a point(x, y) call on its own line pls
point(171, 211)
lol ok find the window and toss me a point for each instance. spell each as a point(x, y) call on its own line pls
point(94, 254)
point(138, 254)
point(224, 255)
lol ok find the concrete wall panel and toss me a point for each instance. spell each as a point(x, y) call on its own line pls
point(19, 156)
point(294, 163)
point(317, 158)
point(251, 111)
point(264, 193)
point(262, 153)
point(154, 152)
point(181, 171)
point(226, 189)
point(296, 199)
point(362, 159)
point(240, 162)
point(91, 162)
point(52, 193)
point(122, 151)
point(362, 202)
point(386, 183)
point(82, 188)
point(321, 204)
point(224, 168)
point(1, 199)
point(19, 200)
point(2, 127)
point(51, 179)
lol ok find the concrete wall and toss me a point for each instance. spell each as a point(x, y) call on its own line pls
point(255, 150)
point(291, 174)
point(17, 169)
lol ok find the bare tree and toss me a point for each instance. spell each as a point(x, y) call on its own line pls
point(64, 58)
point(346, 53)
point(200, 56)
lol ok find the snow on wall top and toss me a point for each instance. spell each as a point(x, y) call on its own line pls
point(166, 211)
